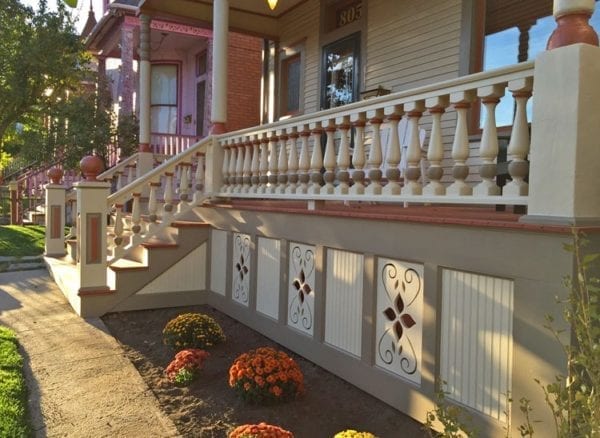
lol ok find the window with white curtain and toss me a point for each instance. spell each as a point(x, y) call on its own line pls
point(163, 98)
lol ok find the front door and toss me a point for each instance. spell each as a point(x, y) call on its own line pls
point(200, 94)
point(340, 72)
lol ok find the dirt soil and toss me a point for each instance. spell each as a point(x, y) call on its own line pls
point(210, 408)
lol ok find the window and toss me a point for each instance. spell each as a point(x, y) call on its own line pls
point(340, 72)
point(290, 85)
point(201, 63)
point(163, 98)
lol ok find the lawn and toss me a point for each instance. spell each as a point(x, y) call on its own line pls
point(21, 241)
point(13, 392)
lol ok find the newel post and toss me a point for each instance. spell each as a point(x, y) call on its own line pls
point(55, 214)
point(564, 182)
point(214, 166)
point(92, 210)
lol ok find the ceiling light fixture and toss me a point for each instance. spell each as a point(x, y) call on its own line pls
point(272, 4)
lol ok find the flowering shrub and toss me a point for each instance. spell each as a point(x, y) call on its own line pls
point(186, 365)
point(261, 430)
point(351, 433)
point(192, 330)
point(266, 375)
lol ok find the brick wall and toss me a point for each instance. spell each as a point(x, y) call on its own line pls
point(245, 71)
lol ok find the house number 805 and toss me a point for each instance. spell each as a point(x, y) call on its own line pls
point(349, 15)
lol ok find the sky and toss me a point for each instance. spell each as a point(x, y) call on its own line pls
point(81, 12)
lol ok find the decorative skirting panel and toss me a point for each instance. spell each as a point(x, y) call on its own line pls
point(343, 300)
point(399, 318)
point(267, 277)
point(240, 290)
point(218, 257)
point(301, 293)
point(476, 340)
point(189, 274)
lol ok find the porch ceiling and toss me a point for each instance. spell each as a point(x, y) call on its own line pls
point(246, 16)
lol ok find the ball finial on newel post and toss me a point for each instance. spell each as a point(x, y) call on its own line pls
point(55, 174)
point(573, 23)
point(91, 166)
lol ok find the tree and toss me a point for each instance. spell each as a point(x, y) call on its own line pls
point(42, 59)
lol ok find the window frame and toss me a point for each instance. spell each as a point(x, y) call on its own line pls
point(177, 105)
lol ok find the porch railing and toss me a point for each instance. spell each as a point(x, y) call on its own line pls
point(171, 144)
point(360, 149)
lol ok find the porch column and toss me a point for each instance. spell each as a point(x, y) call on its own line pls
point(92, 210)
point(219, 66)
point(126, 77)
point(13, 188)
point(564, 180)
point(145, 161)
point(55, 214)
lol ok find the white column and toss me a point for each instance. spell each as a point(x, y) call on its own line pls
point(145, 162)
point(219, 65)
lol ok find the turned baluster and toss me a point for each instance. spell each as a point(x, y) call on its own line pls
point(518, 147)
point(358, 157)
point(232, 166)
point(272, 164)
point(329, 159)
point(247, 167)
point(435, 153)
point(199, 178)
point(168, 193)
point(136, 217)
point(393, 156)
point(343, 159)
point(304, 163)
point(255, 178)
point(225, 168)
point(152, 201)
point(293, 163)
point(184, 184)
point(130, 173)
point(412, 186)
point(118, 230)
point(282, 163)
point(263, 167)
point(460, 145)
point(119, 180)
point(316, 162)
point(488, 149)
point(374, 162)
point(239, 166)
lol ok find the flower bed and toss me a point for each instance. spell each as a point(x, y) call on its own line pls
point(266, 375)
point(192, 330)
point(186, 365)
point(261, 430)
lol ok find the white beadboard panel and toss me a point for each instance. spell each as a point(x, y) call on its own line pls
point(399, 318)
point(267, 276)
point(188, 274)
point(240, 288)
point(218, 261)
point(301, 292)
point(343, 300)
point(476, 340)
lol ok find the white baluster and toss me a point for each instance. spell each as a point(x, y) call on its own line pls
point(412, 186)
point(119, 180)
point(375, 159)
point(435, 153)
point(130, 173)
point(239, 166)
point(282, 163)
point(518, 147)
point(168, 193)
point(118, 230)
point(358, 157)
point(460, 146)
point(247, 172)
point(136, 218)
point(343, 159)
point(272, 163)
point(225, 168)
point(263, 167)
point(293, 163)
point(393, 156)
point(488, 149)
point(304, 163)
point(316, 162)
point(255, 178)
point(199, 179)
point(184, 185)
point(152, 202)
point(329, 159)
point(232, 166)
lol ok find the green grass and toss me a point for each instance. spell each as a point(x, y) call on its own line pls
point(13, 392)
point(21, 241)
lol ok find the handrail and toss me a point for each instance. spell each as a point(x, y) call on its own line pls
point(516, 71)
point(125, 193)
point(108, 173)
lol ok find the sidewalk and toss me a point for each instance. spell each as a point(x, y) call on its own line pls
point(80, 384)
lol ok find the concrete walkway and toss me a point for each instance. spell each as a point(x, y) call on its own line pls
point(80, 383)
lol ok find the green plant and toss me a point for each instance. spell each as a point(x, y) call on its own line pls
point(186, 365)
point(192, 330)
point(127, 134)
point(21, 241)
point(261, 430)
point(266, 375)
point(13, 392)
point(454, 420)
point(351, 433)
